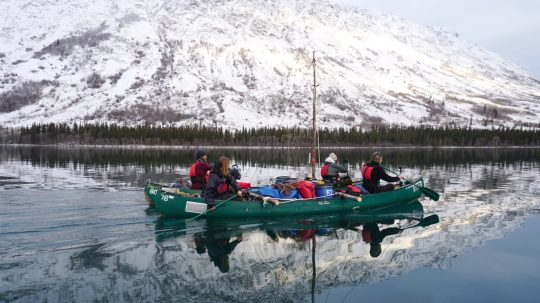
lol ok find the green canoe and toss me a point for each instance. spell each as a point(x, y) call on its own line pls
point(171, 202)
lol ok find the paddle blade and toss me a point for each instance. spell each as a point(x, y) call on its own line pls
point(433, 219)
point(430, 193)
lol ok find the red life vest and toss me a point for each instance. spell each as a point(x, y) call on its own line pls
point(192, 171)
point(366, 172)
point(324, 170)
point(306, 189)
point(222, 186)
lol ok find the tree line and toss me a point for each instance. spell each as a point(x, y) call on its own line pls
point(104, 134)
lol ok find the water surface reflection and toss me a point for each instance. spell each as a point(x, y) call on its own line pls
point(74, 227)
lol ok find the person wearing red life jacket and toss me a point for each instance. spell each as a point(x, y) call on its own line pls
point(199, 170)
point(373, 173)
point(220, 182)
point(331, 170)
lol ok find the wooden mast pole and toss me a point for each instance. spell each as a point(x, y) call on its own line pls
point(314, 132)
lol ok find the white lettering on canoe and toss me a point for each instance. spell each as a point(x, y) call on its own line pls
point(324, 203)
point(153, 191)
point(166, 197)
point(195, 207)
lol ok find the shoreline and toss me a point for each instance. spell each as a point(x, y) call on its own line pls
point(254, 147)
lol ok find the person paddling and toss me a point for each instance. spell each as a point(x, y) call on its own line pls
point(373, 173)
point(199, 170)
point(220, 182)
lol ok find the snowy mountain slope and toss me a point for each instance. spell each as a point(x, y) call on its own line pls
point(246, 63)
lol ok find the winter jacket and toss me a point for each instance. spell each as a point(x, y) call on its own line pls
point(377, 174)
point(333, 169)
point(217, 186)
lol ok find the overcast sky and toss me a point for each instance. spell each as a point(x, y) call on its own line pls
point(510, 28)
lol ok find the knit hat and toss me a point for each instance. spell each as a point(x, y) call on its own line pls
point(333, 156)
point(329, 160)
point(200, 153)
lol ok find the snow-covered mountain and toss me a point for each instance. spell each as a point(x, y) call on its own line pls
point(246, 63)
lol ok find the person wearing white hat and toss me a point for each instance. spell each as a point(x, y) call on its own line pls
point(331, 170)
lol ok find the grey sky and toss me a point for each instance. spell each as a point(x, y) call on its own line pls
point(510, 28)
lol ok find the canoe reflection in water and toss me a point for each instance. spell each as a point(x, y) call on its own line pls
point(374, 236)
point(220, 237)
point(218, 248)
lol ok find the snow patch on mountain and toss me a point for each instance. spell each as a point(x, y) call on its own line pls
point(247, 63)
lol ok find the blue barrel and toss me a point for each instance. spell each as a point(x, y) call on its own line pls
point(324, 191)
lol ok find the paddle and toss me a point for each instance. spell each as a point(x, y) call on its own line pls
point(429, 220)
point(223, 202)
point(433, 195)
point(344, 195)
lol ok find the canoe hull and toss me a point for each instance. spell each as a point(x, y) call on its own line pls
point(172, 205)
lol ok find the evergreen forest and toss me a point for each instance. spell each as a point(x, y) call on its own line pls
point(103, 134)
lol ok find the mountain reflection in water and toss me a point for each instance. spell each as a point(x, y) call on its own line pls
point(74, 227)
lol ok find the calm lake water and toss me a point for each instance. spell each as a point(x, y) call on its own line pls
point(75, 227)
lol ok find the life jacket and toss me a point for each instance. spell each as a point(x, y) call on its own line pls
point(192, 169)
point(366, 235)
point(193, 174)
point(197, 182)
point(223, 186)
point(324, 170)
point(306, 189)
point(366, 172)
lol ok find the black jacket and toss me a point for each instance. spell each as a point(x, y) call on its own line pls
point(214, 181)
point(378, 174)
